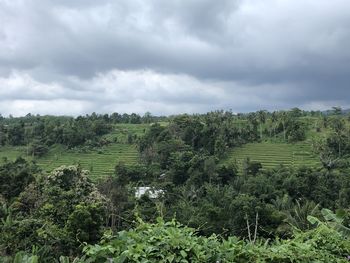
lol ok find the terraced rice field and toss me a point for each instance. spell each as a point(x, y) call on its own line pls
point(121, 131)
point(11, 153)
point(100, 163)
point(271, 155)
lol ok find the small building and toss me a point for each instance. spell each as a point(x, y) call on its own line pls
point(147, 190)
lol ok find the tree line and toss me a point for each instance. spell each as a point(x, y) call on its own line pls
point(41, 132)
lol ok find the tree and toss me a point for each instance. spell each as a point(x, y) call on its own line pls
point(130, 138)
point(262, 120)
point(147, 118)
point(226, 173)
point(327, 155)
point(15, 177)
point(337, 110)
point(37, 148)
point(3, 135)
point(135, 118)
point(67, 207)
point(284, 117)
point(16, 134)
point(85, 222)
point(337, 124)
point(296, 112)
point(295, 131)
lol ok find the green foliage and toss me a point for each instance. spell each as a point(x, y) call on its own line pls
point(37, 148)
point(99, 149)
point(332, 220)
point(55, 213)
point(172, 242)
point(71, 132)
point(297, 215)
point(160, 242)
point(24, 258)
point(85, 222)
point(211, 134)
point(101, 163)
point(272, 154)
point(15, 176)
point(15, 133)
point(265, 211)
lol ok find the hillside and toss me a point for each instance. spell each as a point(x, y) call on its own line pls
point(99, 161)
point(178, 159)
point(271, 154)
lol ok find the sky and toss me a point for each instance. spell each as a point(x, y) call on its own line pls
point(72, 57)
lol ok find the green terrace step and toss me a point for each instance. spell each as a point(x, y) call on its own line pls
point(243, 156)
point(102, 161)
point(102, 164)
point(273, 154)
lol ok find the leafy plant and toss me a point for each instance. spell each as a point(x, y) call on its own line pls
point(333, 220)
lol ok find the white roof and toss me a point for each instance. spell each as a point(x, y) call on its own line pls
point(147, 190)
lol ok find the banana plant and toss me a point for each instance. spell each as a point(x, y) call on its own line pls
point(333, 220)
point(23, 258)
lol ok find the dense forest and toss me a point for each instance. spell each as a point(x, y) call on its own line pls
point(200, 204)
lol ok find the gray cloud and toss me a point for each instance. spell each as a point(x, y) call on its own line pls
point(173, 56)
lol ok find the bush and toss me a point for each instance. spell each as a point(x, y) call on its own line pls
point(172, 242)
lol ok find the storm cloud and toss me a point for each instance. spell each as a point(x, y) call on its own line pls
point(76, 57)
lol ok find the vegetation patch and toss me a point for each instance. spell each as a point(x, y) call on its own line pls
point(271, 154)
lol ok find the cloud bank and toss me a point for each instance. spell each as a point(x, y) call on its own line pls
point(166, 57)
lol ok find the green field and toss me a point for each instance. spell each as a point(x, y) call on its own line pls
point(11, 153)
point(100, 162)
point(120, 132)
point(271, 155)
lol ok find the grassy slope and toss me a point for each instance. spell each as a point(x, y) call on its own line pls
point(272, 154)
point(99, 162)
point(11, 153)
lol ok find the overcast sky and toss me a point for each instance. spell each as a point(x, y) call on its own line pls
point(79, 56)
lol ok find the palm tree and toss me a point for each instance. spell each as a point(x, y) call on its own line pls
point(284, 116)
point(262, 120)
point(297, 216)
point(338, 126)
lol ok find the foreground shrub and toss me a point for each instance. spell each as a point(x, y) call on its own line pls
point(172, 242)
